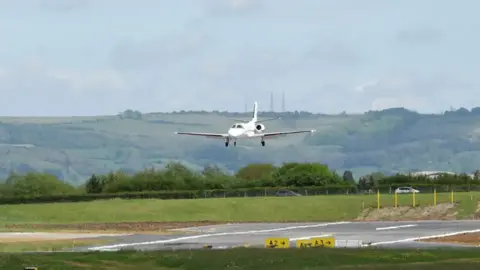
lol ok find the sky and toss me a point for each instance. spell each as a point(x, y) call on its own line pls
point(93, 57)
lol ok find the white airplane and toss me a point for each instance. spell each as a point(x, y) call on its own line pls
point(246, 130)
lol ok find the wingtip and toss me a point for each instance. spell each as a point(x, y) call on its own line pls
point(176, 132)
point(313, 130)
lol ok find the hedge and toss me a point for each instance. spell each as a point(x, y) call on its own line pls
point(220, 193)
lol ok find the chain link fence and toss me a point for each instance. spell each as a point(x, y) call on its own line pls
point(321, 191)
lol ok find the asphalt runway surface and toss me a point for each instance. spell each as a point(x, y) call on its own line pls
point(347, 234)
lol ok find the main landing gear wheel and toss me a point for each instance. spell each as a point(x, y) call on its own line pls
point(263, 143)
point(234, 143)
point(226, 144)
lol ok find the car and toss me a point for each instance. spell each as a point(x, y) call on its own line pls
point(406, 190)
point(283, 193)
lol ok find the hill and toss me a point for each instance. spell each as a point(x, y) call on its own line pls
point(393, 140)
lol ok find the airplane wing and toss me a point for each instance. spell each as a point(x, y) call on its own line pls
point(282, 133)
point(208, 135)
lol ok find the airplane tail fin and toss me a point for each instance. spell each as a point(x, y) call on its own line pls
point(255, 111)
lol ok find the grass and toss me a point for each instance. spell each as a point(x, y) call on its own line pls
point(48, 245)
point(250, 259)
point(263, 209)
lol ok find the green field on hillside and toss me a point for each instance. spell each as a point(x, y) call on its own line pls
point(304, 208)
point(295, 259)
point(394, 140)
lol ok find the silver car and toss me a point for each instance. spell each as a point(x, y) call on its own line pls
point(406, 190)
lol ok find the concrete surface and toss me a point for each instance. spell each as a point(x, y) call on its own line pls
point(8, 236)
point(347, 234)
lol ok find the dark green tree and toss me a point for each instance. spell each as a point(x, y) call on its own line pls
point(348, 177)
point(94, 185)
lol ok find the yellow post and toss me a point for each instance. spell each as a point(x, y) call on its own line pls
point(413, 196)
point(435, 196)
point(378, 198)
point(396, 199)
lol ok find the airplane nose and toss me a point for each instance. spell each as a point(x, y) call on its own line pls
point(233, 132)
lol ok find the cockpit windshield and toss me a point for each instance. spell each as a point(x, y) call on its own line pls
point(237, 126)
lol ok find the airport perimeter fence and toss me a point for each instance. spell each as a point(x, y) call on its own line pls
point(335, 190)
point(389, 190)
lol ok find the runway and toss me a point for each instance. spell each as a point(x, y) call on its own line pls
point(347, 234)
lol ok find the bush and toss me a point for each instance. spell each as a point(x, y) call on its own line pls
point(177, 181)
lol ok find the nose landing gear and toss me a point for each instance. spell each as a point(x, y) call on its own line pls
point(263, 143)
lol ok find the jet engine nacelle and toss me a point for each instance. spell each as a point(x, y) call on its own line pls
point(260, 127)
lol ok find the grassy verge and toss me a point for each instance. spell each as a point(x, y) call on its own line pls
point(467, 238)
point(49, 245)
point(318, 208)
point(250, 259)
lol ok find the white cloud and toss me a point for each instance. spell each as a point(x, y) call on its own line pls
point(3, 74)
point(93, 80)
point(232, 7)
point(419, 35)
point(35, 74)
point(386, 84)
point(157, 53)
point(327, 57)
point(64, 5)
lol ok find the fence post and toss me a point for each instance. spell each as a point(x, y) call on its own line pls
point(395, 196)
point(378, 198)
point(435, 196)
point(413, 197)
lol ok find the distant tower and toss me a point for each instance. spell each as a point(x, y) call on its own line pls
point(283, 101)
point(271, 101)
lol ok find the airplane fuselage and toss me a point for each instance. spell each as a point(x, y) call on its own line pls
point(242, 130)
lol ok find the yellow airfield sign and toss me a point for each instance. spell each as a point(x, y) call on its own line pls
point(307, 243)
point(323, 242)
point(277, 243)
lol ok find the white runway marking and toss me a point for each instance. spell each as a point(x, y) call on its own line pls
point(309, 237)
point(422, 238)
point(110, 247)
point(396, 227)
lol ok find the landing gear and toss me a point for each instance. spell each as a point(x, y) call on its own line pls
point(234, 143)
point(226, 144)
point(263, 143)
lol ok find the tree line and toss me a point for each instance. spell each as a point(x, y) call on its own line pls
point(178, 181)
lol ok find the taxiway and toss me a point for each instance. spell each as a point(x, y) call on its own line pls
point(403, 234)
